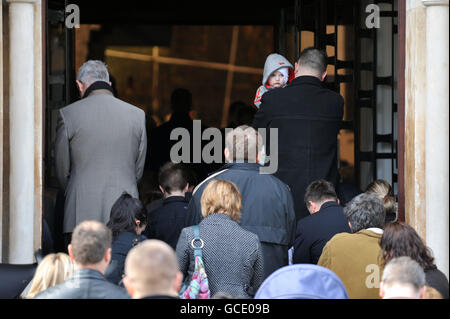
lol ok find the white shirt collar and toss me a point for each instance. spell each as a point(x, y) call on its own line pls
point(376, 230)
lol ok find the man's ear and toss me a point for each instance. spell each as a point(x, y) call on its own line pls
point(313, 206)
point(382, 292)
point(70, 251)
point(226, 152)
point(324, 74)
point(186, 188)
point(81, 87)
point(107, 256)
point(128, 285)
point(296, 68)
point(350, 225)
point(259, 157)
point(178, 281)
point(162, 189)
point(422, 292)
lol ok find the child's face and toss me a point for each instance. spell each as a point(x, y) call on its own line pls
point(276, 79)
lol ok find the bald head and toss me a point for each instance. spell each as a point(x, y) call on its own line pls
point(151, 268)
point(243, 143)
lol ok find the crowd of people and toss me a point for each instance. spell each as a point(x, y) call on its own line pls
point(230, 231)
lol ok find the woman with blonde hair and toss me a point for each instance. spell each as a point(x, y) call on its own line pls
point(385, 193)
point(53, 270)
point(232, 256)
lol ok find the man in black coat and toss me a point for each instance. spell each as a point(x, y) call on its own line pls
point(326, 220)
point(160, 141)
point(267, 205)
point(308, 118)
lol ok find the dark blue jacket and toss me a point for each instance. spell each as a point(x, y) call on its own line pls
point(314, 231)
point(267, 210)
point(166, 222)
point(120, 248)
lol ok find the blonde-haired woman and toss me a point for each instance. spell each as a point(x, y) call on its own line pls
point(385, 193)
point(53, 270)
point(232, 256)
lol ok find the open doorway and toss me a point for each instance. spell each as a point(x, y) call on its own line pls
point(218, 53)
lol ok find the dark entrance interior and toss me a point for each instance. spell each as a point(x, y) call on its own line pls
point(217, 51)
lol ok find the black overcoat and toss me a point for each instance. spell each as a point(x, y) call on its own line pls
point(308, 117)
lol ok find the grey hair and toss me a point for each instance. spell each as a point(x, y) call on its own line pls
point(243, 143)
point(365, 211)
point(404, 270)
point(92, 71)
point(90, 241)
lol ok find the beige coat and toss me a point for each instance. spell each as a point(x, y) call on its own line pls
point(355, 259)
point(100, 152)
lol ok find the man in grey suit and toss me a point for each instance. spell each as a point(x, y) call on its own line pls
point(100, 149)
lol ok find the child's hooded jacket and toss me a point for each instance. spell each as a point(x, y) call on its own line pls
point(274, 62)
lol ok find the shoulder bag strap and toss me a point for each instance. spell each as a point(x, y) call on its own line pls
point(197, 243)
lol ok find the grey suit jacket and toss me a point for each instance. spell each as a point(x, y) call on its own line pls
point(100, 152)
point(232, 256)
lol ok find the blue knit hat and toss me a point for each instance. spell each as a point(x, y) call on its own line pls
point(302, 281)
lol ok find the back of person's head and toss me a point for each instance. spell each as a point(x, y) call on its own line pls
point(245, 115)
point(151, 268)
point(243, 144)
point(319, 192)
point(314, 61)
point(402, 278)
point(126, 213)
point(191, 177)
point(181, 100)
point(173, 177)
point(53, 270)
point(365, 211)
point(92, 71)
point(302, 281)
point(234, 108)
point(431, 293)
point(385, 193)
point(90, 242)
point(233, 111)
point(400, 239)
point(221, 197)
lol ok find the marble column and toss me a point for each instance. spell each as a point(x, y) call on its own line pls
point(415, 115)
point(21, 98)
point(437, 130)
